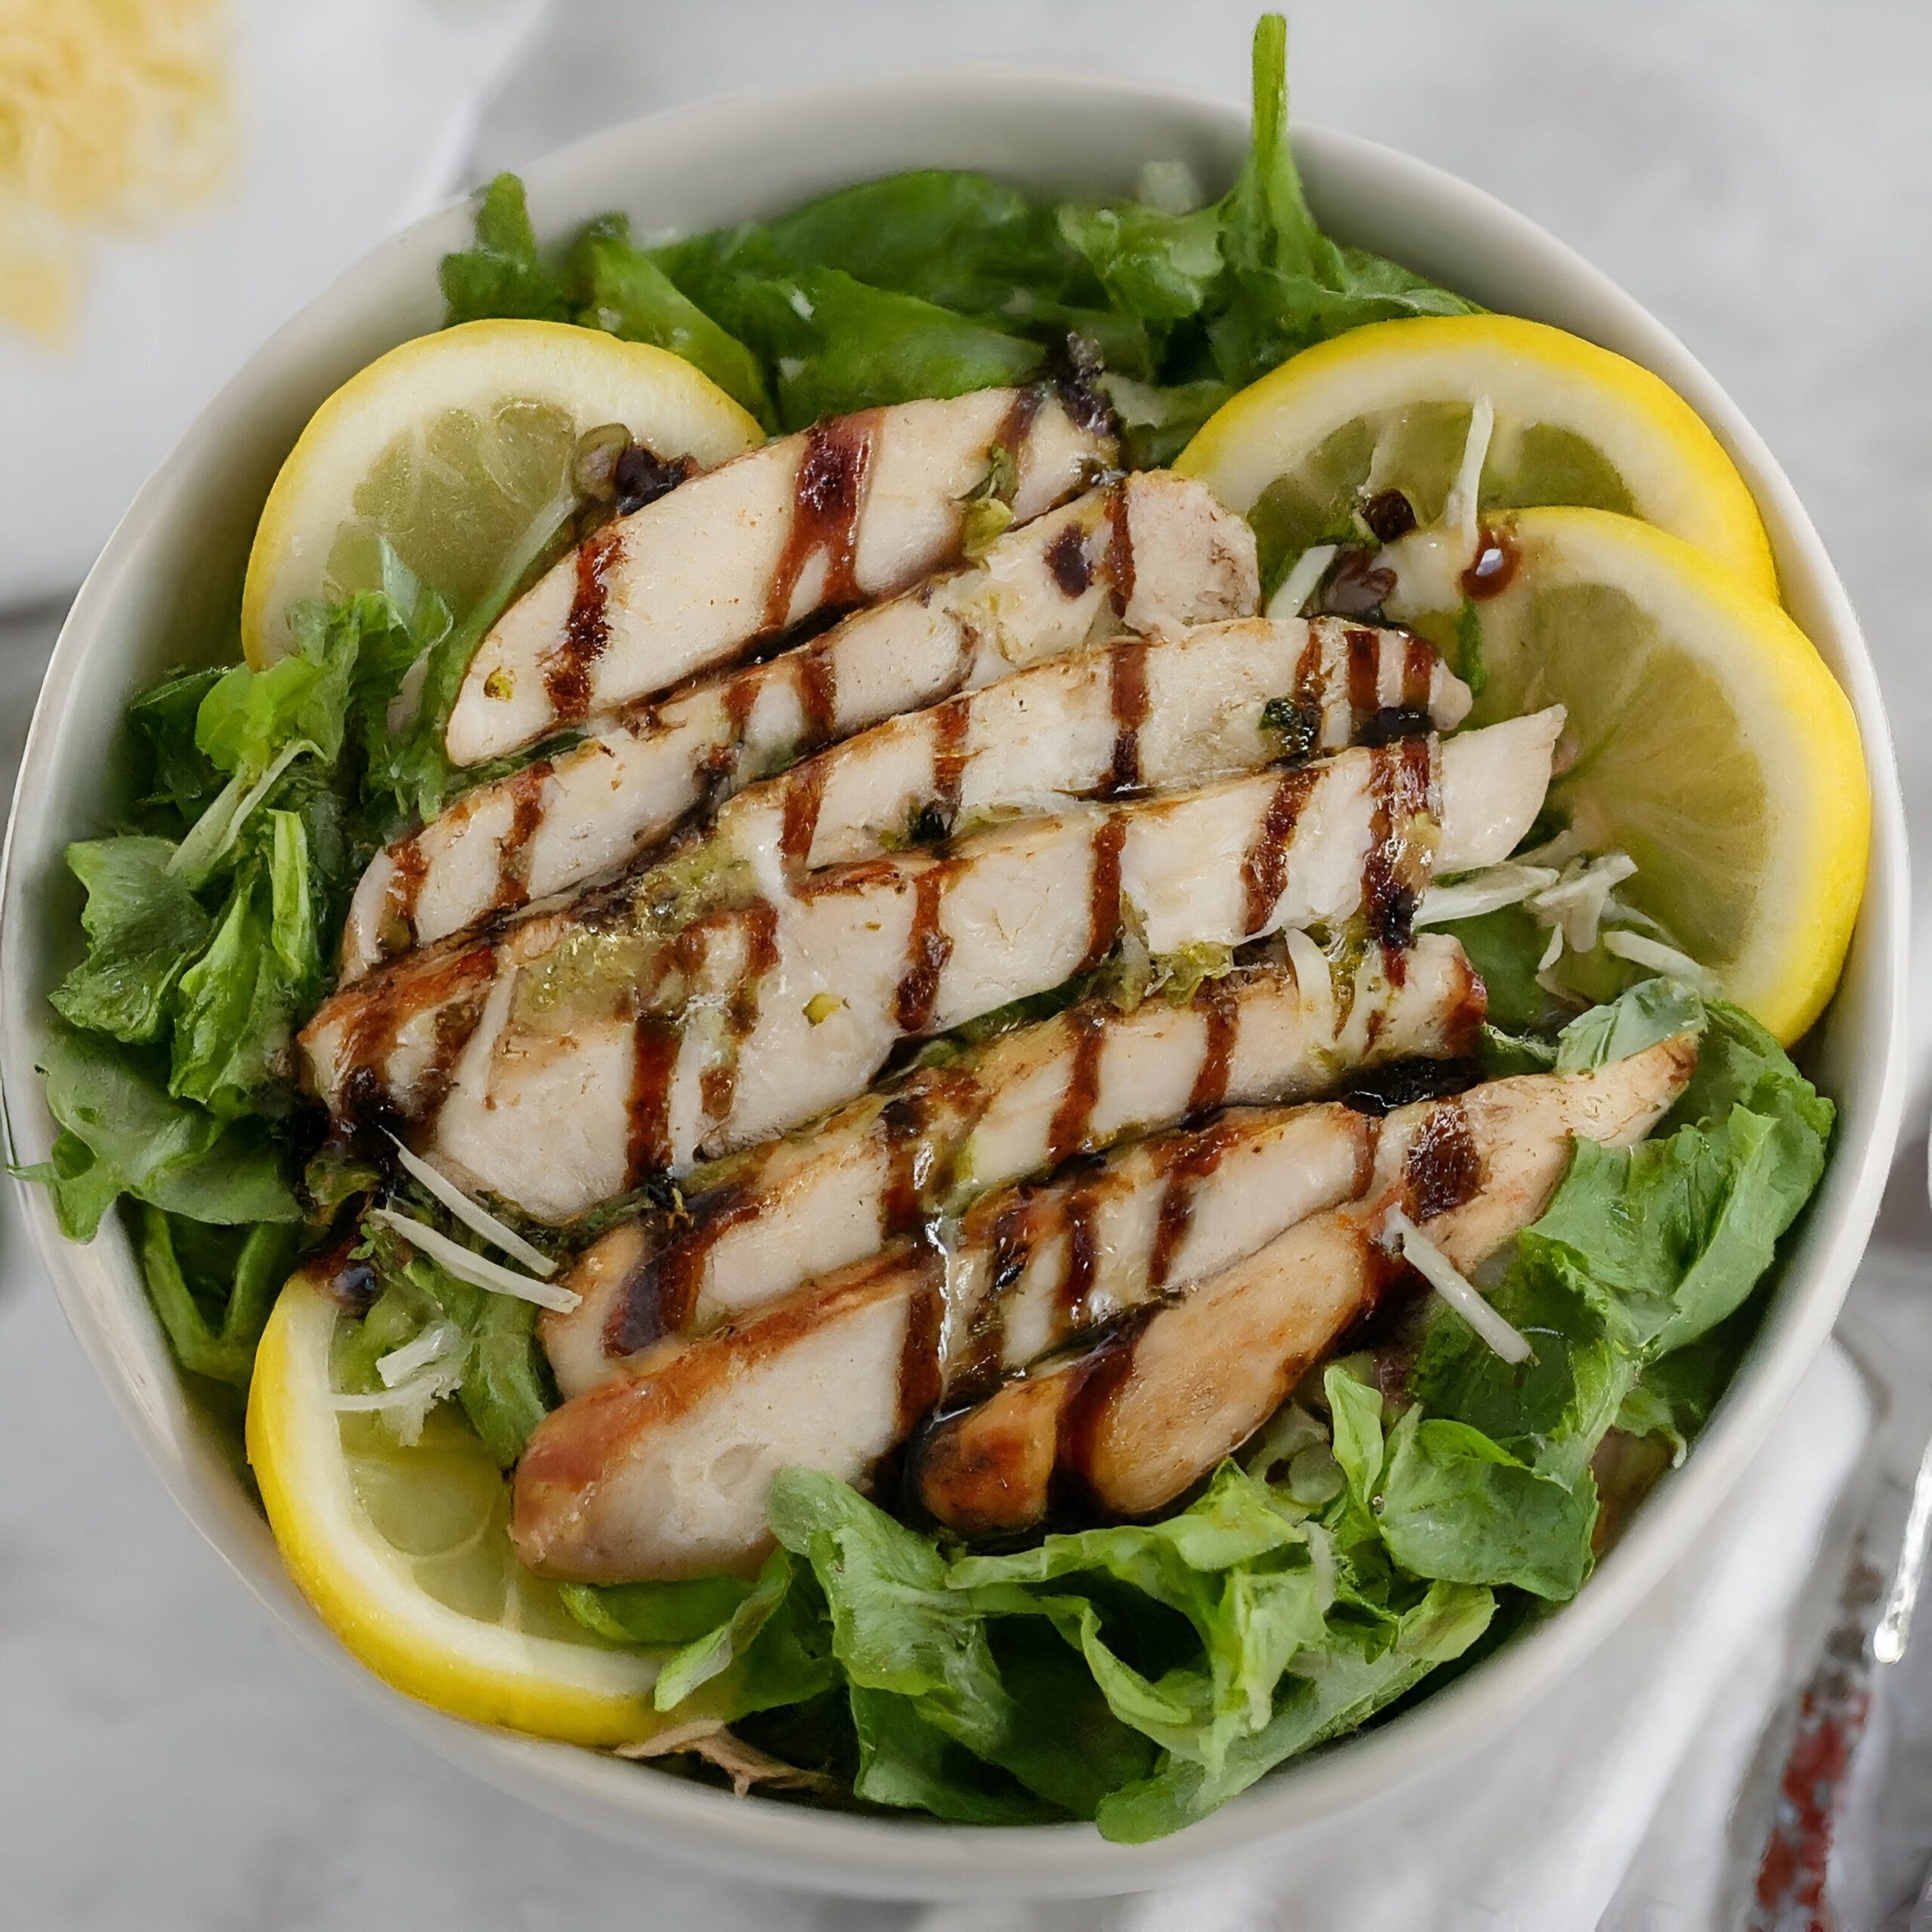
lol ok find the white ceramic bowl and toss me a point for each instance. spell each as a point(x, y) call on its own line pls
point(160, 593)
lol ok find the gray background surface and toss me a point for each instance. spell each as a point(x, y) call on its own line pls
point(1758, 174)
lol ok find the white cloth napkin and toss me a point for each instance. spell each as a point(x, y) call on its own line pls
point(353, 118)
point(1613, 1805)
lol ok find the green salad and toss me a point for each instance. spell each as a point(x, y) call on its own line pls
point(1424, 1479)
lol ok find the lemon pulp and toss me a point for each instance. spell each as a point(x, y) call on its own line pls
point(1387, 408)
point(1706, 738)
point(452, 449)
point(405, 1552)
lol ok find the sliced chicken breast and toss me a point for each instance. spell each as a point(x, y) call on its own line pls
point(766, 1221)
point(663, 1472)
point(1146, 714)
point(852, 509)
point(1151, 552)
point(1129, 1426)
point(582, 1054)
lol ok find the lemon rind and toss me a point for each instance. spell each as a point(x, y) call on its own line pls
point(362, 1589)
point(1779, 685)
point(1649, 432)
point(661, 397)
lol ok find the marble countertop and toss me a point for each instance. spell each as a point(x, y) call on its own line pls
point(1758, 174)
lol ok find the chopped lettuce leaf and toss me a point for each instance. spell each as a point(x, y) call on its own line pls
point(501, 273)
point(933, 282)
point(123, 1133)
point(180, 774)
point(144, 926)
point(961, 241)
point(615, 286)
point(1643, 1253)
point(1505, 947)
point(505, 1390)
point(1325, 1692)
point(213, 1295)
point(1160, 266)
point(1665, 1239)
point(772, 1650)
point(1652, 1010)
point(1456, 1506)
point(655, 1616)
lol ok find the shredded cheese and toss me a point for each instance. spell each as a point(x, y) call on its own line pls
point(1441, 1274)
point(1302, 582)
point(477, 1218)
point(477, 1269)
point(1575, 903)
point(1459, 510)
point(1641, 951)
point(415, 1378)
point(1488, 890)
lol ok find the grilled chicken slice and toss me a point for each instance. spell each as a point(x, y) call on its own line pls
point(852, 509)
point(1132, 1423)
point(1151, 552)
point(578, 1056)
point(1025, 1102)
point(664, 1475)
point(1145, 714)
point(663, 1472)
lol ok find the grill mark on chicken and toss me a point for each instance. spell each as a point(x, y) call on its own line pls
point(1419, 662)
point(568, 670)
point(1390, 889)
point(1444, 1166)
point(1073, 1118)
point(1093, 1381)
point(804, 799)
point(457, 988)
point(1119, 553)
point(1079, 1211)
point(927, 948)
point(1016, 425)
point(410, 866)
point(513, 852)
point(816, 683)
point(826, 503)
point(902, 1124)
point(913, 1140)
point(658, 1298)
point(1363, 650)
point(1067, 558)
point(1219, 1002)
point(1264, 867)
point(1127, 699)
point(1103, 903)
point(1190, 1162)
point(919, 1365)
point(950, 724)
point(655, 1040)
point(719, 1081)
point(1010, 1247)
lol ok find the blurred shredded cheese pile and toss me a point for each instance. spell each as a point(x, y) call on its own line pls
point(113, 114)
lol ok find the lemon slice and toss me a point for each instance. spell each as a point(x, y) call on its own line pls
point(453, 448)
point(405, 1553)
point(1706, 739)
point(1387, 408)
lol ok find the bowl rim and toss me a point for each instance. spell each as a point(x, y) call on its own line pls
point(888, 1857)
